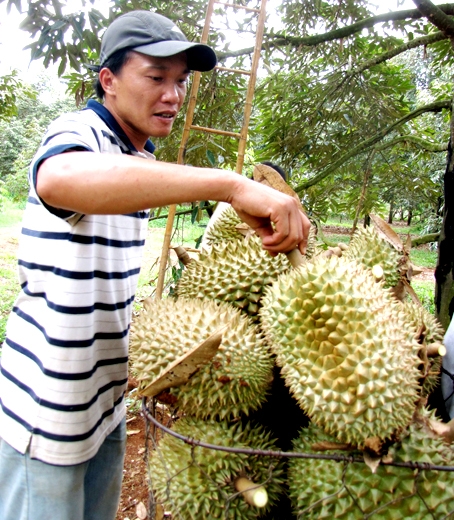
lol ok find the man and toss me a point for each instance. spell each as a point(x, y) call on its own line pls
point(64, 362)
point(447, 371)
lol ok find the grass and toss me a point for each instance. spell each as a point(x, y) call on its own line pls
point(10, 214)
point(9, 284)
point(9, 289)
point(426, 291)
point(423, 257)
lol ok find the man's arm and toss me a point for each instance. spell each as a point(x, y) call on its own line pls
point(92, 183)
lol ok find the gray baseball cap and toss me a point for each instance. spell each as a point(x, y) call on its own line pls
point(154, 35)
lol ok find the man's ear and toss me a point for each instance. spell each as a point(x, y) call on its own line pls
point(107, 80)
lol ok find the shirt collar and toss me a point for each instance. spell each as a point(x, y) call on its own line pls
point(112, 123)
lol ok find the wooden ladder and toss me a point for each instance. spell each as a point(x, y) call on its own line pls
point(188, 126)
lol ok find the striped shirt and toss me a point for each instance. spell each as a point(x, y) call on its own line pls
point(64, 361)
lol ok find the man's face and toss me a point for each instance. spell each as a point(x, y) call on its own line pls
point(147, 94)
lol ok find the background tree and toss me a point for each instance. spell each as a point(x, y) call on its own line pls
point(11, 90)
point(20, 135)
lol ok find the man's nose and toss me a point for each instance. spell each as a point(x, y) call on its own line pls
point(170, 93)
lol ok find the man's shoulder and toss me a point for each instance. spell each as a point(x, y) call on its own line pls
point(81, 127)
point(85, 116)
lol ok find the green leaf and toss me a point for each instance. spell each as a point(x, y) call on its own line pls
point(194, 214)
point(211, 158)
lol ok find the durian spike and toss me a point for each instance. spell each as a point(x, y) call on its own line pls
point(254, 494)
point(180, 371)
point(445, 430)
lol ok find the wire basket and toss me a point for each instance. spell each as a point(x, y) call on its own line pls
point(345, 492)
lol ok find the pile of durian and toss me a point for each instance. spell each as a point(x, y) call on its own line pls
point(327, 358)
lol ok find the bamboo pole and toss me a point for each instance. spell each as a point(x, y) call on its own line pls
point(251, 87)
point(242, 136)
point(180, 160)
point(214, 131)
point(236, 71)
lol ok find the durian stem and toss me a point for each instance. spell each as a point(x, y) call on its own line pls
point(254, 494)
point(436, 349)
point(182, 254)
point(295, 258)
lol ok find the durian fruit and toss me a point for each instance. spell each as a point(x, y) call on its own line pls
point(313, 249)
point(235, 272)
point(237, 378)
point(225, 228)
point(370, 249)
point(195, 483)
point(429, 334)
point(349, 361)
point(327, 489)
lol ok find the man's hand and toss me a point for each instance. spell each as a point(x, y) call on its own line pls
point(275, 217)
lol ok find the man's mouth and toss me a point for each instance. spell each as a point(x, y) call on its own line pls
point(165, 115)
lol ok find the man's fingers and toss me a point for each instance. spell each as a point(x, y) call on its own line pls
point(303, 246)
point(287, 234)
point(277, 218)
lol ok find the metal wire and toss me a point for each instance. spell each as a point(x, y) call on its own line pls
point(288, 454)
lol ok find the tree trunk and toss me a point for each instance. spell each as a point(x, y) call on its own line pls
point(444, 287)
point(362, 197)
point(391, 212)
point(409, 217)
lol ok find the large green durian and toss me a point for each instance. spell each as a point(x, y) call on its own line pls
point(313, 249)
point(429, 333)
point(239, 375)
point(369, 249)
point(347, 358)
point(235, 272)
point(195, 483)
point(225, 228)
point(327, 489)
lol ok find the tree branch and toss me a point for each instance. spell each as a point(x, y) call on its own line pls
point(436, 16)
point(425, 239)
point(412, 44)
point(433, 107)
point(343, 32)
point(417, 141)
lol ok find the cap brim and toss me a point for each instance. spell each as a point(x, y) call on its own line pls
point(200, 57)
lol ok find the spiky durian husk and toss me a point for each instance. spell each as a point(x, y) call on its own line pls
point(369, 249)
point(238, 377)
point(198, 483)
point(235, 272)
point(429, 332)
point(429, 328)
point(225, 228)
point(327, 489)
point(347, 358)
point(313, 249)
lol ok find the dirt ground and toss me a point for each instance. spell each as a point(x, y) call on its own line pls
point(134, 496)
point(135, 493)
